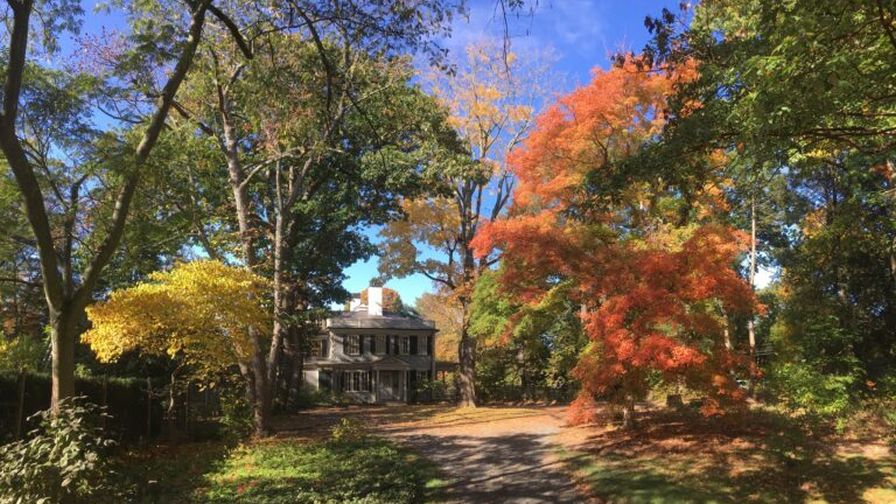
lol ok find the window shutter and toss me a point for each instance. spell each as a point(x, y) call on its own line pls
point(429, 348)
point(413, 345)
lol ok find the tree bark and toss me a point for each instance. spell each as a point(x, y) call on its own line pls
point(63, 332)
point(283, 300)
point(466, 373)
point(259, 392)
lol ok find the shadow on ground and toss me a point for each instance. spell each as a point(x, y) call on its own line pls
point(491, 454)
point(759, 457)
point(501, 468)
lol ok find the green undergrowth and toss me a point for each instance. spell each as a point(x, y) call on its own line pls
point(366, 470)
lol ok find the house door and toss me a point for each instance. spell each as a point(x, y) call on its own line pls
point(389, 386)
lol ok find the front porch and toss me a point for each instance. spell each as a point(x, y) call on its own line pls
point(386, 380)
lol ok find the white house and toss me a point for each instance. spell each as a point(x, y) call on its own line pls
point(370, 355)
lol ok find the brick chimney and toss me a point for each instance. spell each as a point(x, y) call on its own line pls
point(375, 301)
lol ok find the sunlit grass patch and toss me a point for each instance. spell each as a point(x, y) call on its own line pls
point(368, 470)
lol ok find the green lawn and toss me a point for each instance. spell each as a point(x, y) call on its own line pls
point(370, 470)
point(674, 460)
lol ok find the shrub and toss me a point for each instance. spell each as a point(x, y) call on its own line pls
point(309, 398)
point(803, 389)
point(236, 413)
point(434, 390)
point(63, 460)
point(348, 430)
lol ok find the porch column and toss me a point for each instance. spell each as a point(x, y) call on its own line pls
point(376, 387)
point(404, 386)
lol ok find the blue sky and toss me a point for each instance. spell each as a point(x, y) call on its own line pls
point(582, 33)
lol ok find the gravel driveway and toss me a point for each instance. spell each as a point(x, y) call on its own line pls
point(487, 454)
point(508, 459)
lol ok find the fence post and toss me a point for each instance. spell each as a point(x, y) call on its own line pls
point(148, 408)
point(20, 404)
point(105, 400)
point(187, 410)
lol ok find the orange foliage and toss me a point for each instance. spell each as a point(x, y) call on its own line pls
point(610, 118)
point(653, 302)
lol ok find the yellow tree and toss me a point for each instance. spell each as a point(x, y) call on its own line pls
point(441, 308)
point(200, 313)
point(491, 97)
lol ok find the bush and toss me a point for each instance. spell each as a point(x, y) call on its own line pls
point(432, 390)
point(309, 398)
point(236, 413)
point(804, 390)
point(63, 460)
point(348, 430)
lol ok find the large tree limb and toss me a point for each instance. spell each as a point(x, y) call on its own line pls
point(234, 30)
point(15, 154)
point(147, 142)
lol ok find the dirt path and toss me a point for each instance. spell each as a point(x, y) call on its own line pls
point(488, 455)
point(508, 459)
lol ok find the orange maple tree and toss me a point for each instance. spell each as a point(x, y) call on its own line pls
point(655, 292)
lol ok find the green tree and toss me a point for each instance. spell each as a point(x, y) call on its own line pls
point(59, 160)
point(527, 350)
point(799, 98)
point(317, 142)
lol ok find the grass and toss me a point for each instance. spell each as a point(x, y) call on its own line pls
point(688, 459)
point(369, 470)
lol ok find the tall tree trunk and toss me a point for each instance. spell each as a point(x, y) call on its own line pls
point(63, 332)
point(261, 408)
point(628, 413)
point(466, 373)
point(282, 297)
point(258, 390)
point(751, 324)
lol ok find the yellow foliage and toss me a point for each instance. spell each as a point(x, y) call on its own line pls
point(200, 311)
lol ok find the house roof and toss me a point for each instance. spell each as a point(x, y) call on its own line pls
point(360, 319)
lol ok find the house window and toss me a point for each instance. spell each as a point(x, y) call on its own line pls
point(393, 344)
point(357, 381)
point(405, 345)
point(325, 380)
point(423, 345)
point(380, 344)
point(320, 347)
point(414, 345)
point(352, 344)
point(366, 344)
